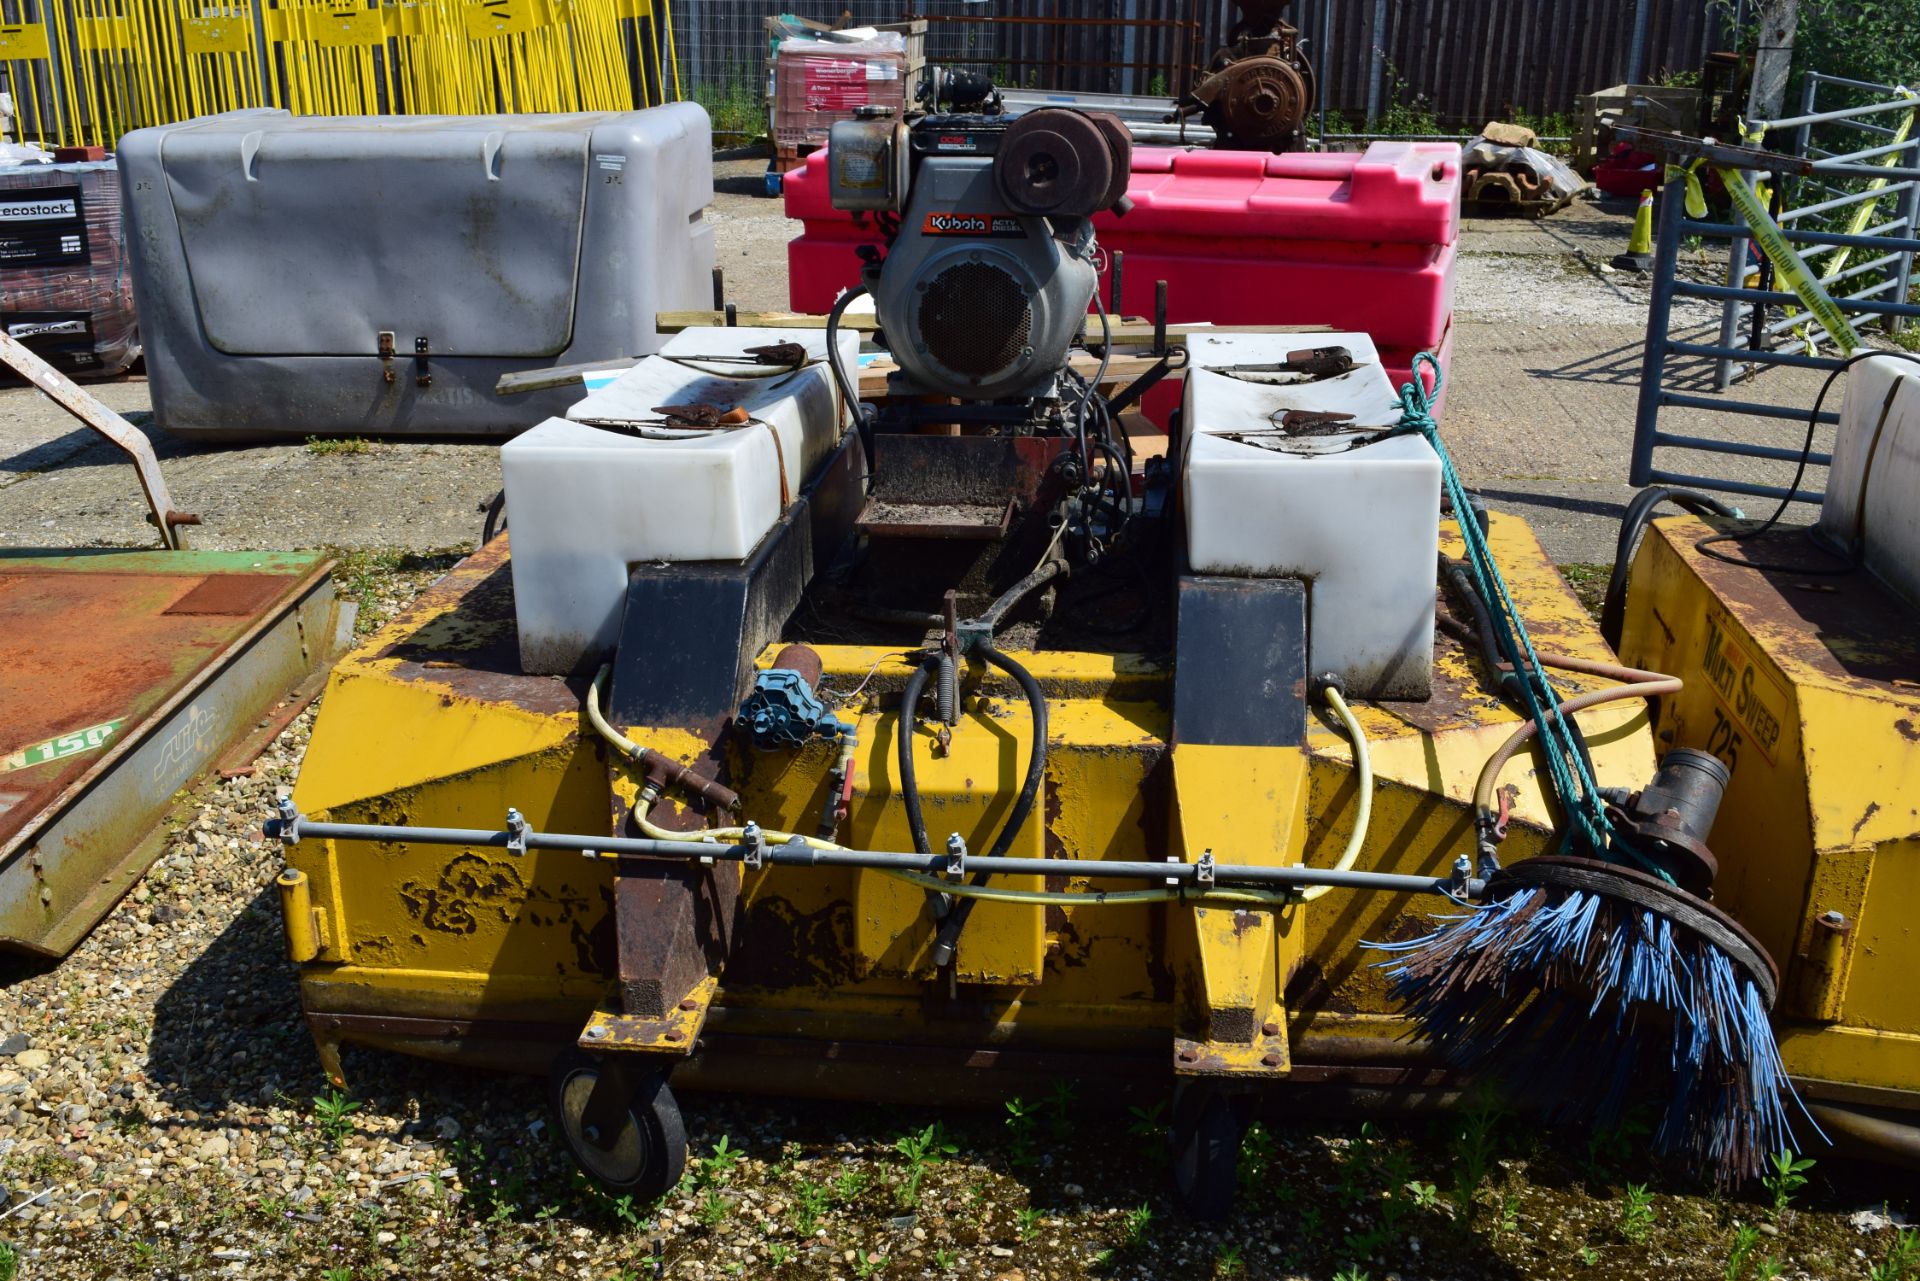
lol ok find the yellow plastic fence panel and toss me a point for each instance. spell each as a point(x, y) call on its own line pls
point(99, 35)
point(217, 35)
point(489, 18)
point(24, 41)
point(87, 71)
point(337, 26)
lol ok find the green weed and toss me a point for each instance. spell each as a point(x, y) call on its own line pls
point(1028, 1219)
point(1474, 1145)
point(1902, 1261)
point(1788, 1176)
point(1636, 1214)
point(923, 1151)
point(1149, 1126)
point(779, 1253)
point(337, 1274)
point(945, 1259)
point(713, 1208)
point(866, 1265)
point(333, 1116)
point(1256, 1154)
point(716, 1170)
point(810, 1203)
point(322, 446)
point(1137, 1221)
point(1022, 1120)
point(1745, 1240)
point(9, 1262)
point(1227, 1262)
point(1588, 1256)
point(851, 1183)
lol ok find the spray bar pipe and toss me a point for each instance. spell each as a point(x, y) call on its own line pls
point(291, 828)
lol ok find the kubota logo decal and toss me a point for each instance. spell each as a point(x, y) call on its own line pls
point(971, 224)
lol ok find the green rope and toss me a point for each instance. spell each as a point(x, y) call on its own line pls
point(1589, 832)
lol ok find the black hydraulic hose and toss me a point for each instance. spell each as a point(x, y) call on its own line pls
point(1043, 573)
point(903, 741)
point(849, 393)
point(1613, 610)
point(496, 523)
point(947, 941)
point(1454, 576)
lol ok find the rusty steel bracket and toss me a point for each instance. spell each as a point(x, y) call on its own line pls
point(67, 394)
point(1266, 1055)
point(386, 354)
point(677, 1032)
point(422, 376)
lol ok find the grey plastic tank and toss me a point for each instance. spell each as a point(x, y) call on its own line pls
point(376, 275)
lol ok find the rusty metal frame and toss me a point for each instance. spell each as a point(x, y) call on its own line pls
point(70, 396)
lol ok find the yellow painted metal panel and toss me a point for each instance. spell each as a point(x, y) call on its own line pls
point(486, 19)
point(338, 26)
point(216, 35)
point(24, 41)
point(105, 33)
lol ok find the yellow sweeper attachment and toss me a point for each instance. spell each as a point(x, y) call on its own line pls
point(947, 745)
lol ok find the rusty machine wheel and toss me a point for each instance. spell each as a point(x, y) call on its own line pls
point(621, 1124)
point(1206, 1130)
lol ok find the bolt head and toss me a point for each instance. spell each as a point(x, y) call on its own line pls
point(675, 1034)
point(596, 1033)
point(1271, 1060)
point(689, 1004)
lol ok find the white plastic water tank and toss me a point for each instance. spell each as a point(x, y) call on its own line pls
point(1356, 517)
point(607, 487)
point(1870, 506)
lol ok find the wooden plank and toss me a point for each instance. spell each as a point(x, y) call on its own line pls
point(526, 380)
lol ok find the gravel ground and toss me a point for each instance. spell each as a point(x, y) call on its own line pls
point(162, 1115)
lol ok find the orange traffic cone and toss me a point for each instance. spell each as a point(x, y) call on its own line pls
point(1639, 255)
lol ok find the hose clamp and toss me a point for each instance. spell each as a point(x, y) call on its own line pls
point(753, 843)
point(1203, 870)
point(956, 858)
point(516, 833)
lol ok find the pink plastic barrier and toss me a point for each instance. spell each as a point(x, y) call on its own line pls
point(1359, 242)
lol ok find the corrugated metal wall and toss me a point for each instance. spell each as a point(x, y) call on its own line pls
point(1468, 61)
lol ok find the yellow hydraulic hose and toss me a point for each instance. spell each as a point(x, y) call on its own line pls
point(1363, 771)
point(1040, 898)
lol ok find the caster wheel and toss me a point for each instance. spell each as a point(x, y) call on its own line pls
point(1206, 1133)
point(620, 1123)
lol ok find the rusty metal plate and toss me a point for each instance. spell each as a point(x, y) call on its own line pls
point(230, 595)
point(1266, 1055)
point(111, 700)
point(676, 1033)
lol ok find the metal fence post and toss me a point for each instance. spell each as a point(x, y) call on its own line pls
point(1731, 309)
point(1653, 362)
point(1903, 270)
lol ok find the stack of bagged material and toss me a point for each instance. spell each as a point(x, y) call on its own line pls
point(64, 287)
